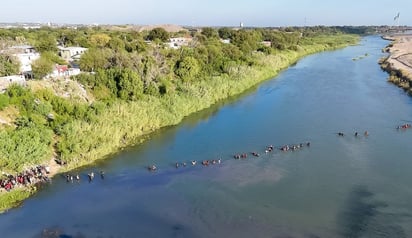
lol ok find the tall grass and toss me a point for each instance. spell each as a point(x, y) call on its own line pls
point(13, 198)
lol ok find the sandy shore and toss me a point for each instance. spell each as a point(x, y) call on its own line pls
point(400, 58)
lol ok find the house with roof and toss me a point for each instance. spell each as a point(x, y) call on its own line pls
point(71, 53)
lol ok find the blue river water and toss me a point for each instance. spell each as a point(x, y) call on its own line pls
point(338, 187)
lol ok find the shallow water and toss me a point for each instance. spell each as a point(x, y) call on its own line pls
point(338, 187)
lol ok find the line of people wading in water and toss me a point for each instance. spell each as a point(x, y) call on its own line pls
point(366, 133)
point(268, 149)
point(29, 177)
point(70, 178)
point(39, 174)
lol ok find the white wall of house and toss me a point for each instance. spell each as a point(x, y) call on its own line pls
point(26, 59)
point(8, 80)
point(225, 41)
point(69, 72)
point(26, 55)
point(177, 42)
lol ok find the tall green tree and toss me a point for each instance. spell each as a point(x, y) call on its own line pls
point(9, 65)
point(187, 69)
point(94, 59)
point(158, 33)
point(99, 40)
point(209, 32)
point(225, 33)
point(247, 40)
point(130, 85)
point(42, 67)
point(45, 42)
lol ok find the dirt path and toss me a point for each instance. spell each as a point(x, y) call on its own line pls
point(54, 167)
point(401, 52)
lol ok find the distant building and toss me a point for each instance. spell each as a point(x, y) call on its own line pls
point(266, 43)
point(225, 41)
point(71, 53)
point(177, 42)
point(26, 54)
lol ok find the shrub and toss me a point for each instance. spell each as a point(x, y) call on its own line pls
point(4, 101)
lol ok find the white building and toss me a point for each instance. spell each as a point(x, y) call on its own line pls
point(6, 81)
point(225, 41)
point(71, 53)
point(177, 42)
point(26, 55)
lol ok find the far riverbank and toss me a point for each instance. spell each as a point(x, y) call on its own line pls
point(399, 62)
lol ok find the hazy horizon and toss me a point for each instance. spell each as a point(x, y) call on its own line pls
point(257, 13)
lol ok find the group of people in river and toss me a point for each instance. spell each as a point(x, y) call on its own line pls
point(31, 176)
point(404, 126)
point(356, 134)
point(70, 178)
point(268, 149)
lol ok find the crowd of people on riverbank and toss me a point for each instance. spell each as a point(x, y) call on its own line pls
point(32, 176)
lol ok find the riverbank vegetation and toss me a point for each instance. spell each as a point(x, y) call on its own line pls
point(138, 86)
point(12, 198)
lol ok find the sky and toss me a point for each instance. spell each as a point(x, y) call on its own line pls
point(259, 13)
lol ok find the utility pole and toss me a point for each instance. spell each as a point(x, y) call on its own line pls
point(396, 19)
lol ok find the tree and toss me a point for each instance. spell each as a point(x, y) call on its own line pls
point(66, 37)
point(137, 45)
point(53, 57)
point(9, 65)
point(159, 34)
point(42, 67)
point(99, 40)
point(225, 33)
point(247, 41)
point(116, 44)
point(187, 68)
point(209, 32)
point(46, 42)
point(130, 85)
point(94, 59)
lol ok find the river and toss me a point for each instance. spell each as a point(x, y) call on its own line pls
point(338, 187)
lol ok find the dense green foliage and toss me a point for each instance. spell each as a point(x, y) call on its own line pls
point(13, 198)
point(158, 34)
point(9, 65)
point(42, 67)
